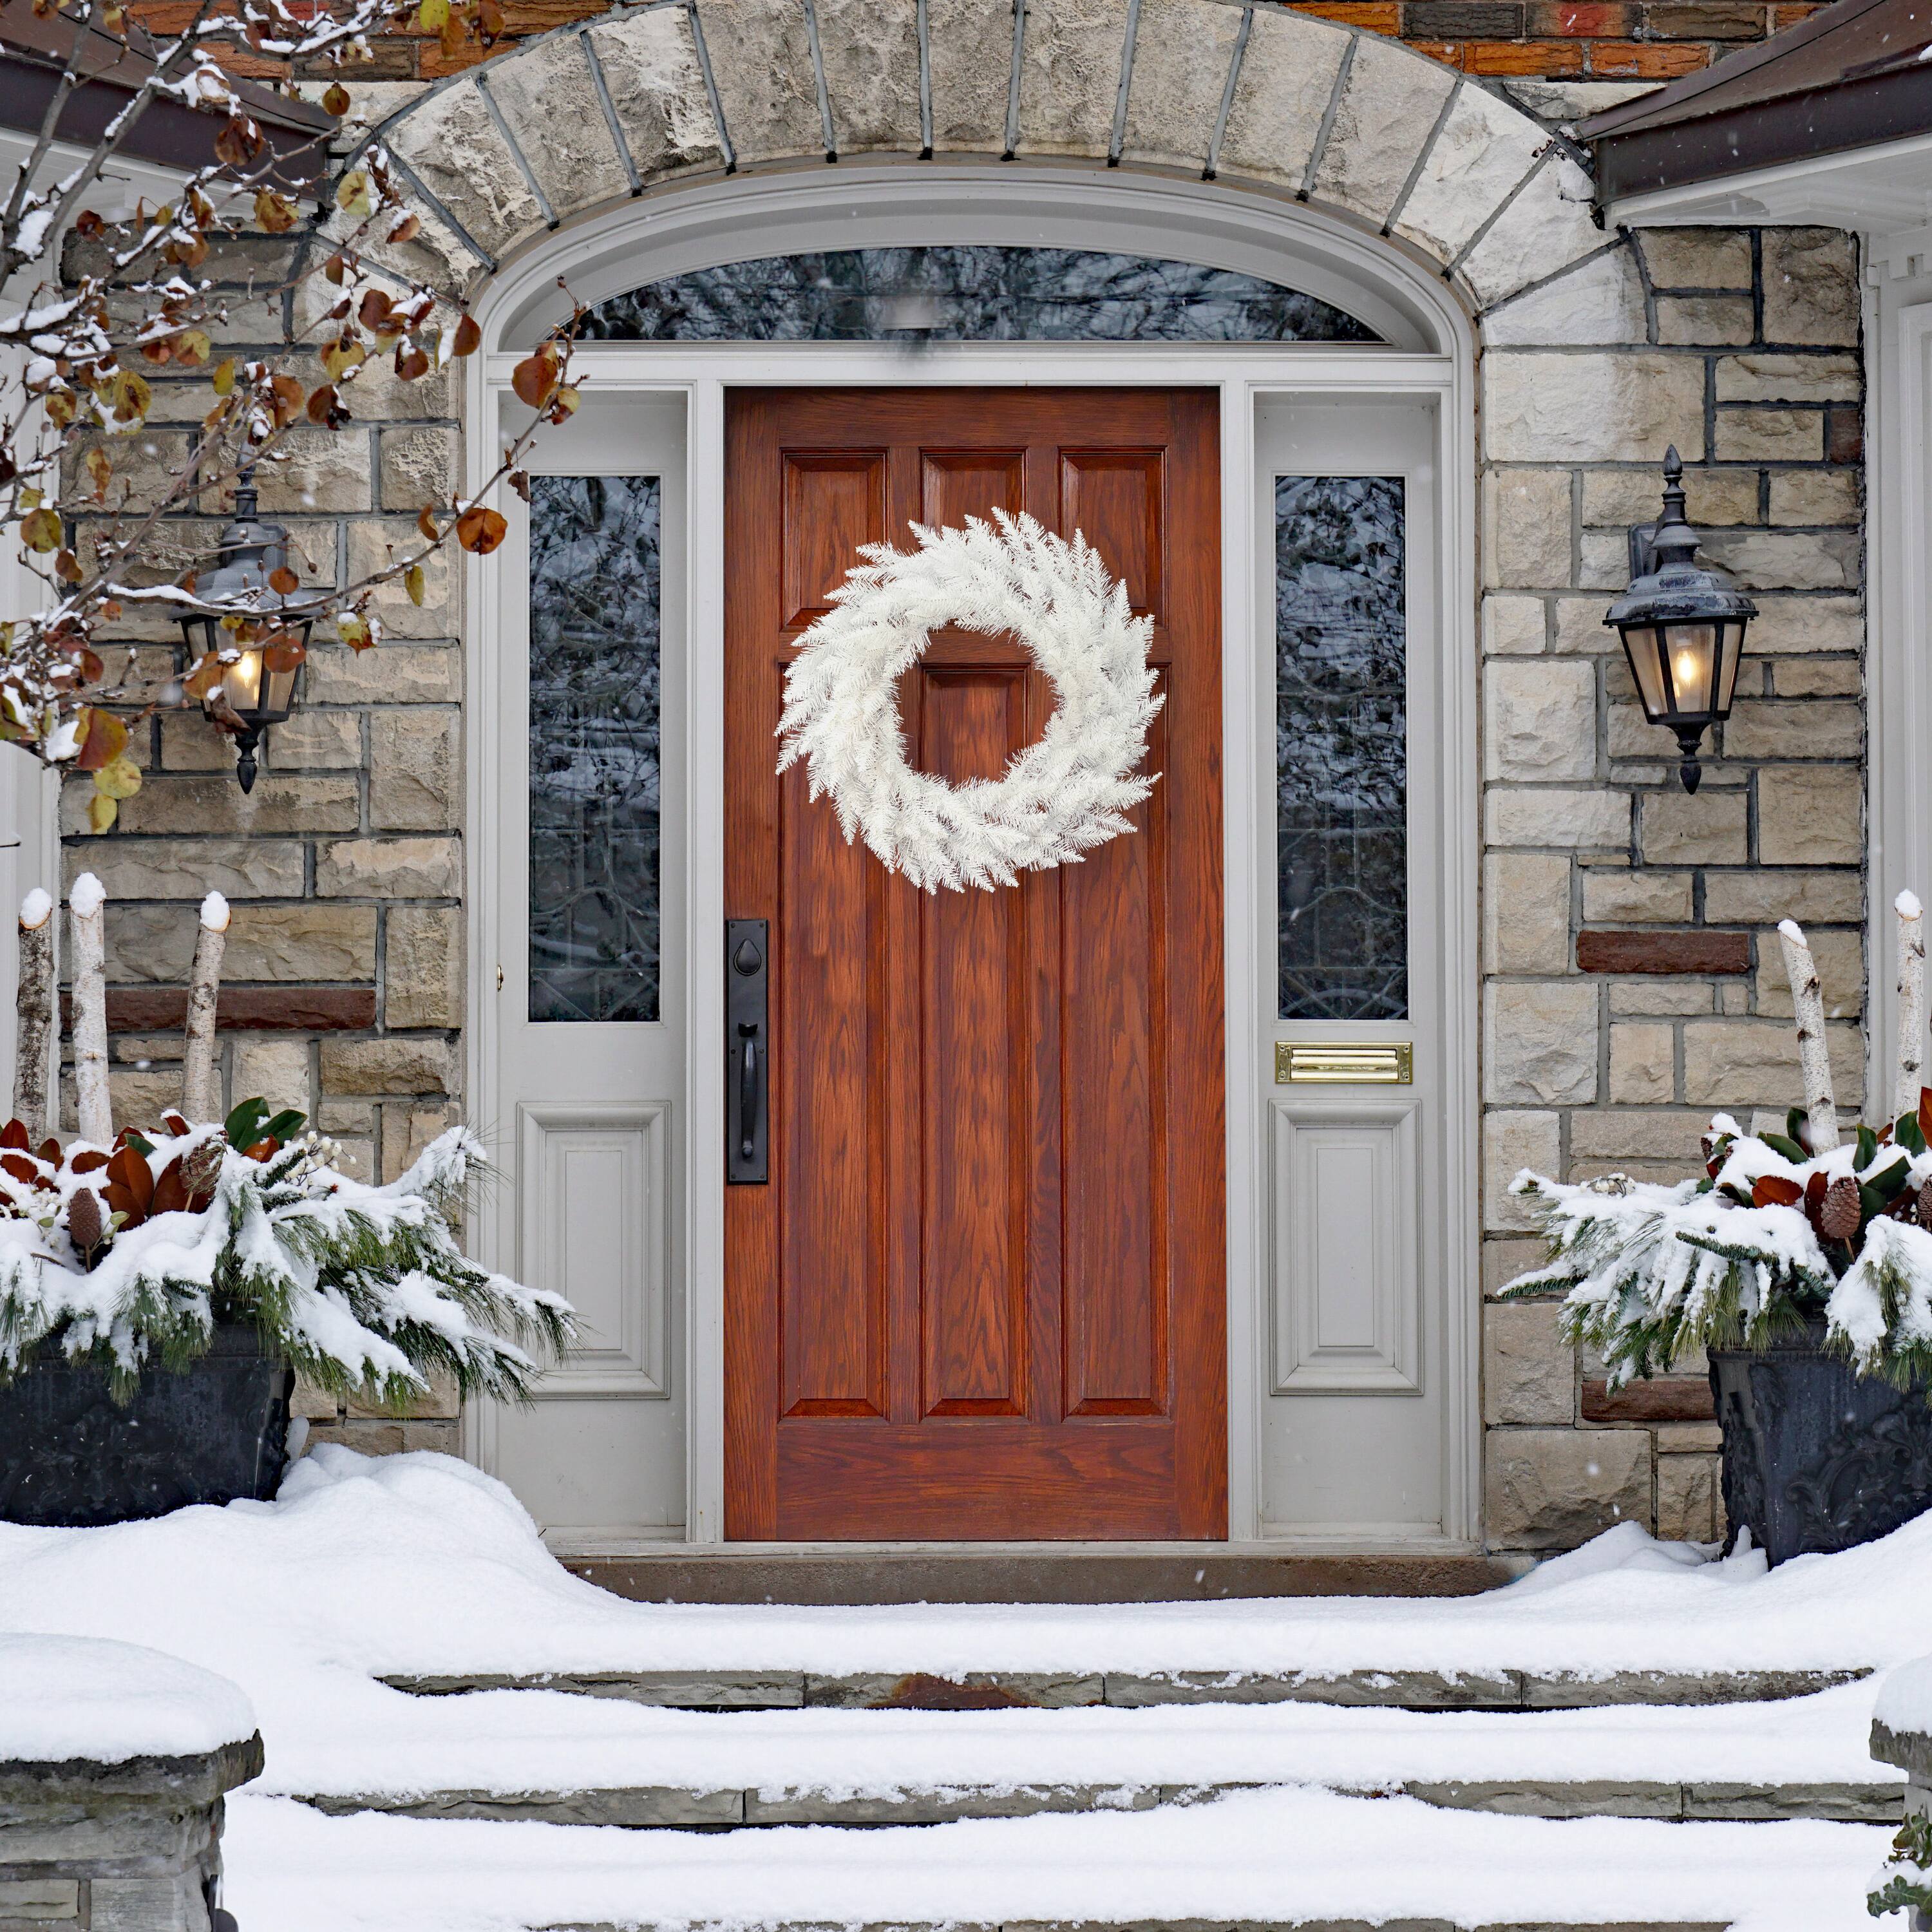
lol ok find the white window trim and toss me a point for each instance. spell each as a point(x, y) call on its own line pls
point(1191, 221)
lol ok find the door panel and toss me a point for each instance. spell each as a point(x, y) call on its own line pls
point(983, 1294)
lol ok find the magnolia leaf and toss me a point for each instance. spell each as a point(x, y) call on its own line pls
point(412, 582)
point(120, 778)
point(106, 738)
point(1773, 1190)
point(102, 812)
point(480, 528)
point(534, 377)
point(41, 531)
point(336, 100)
point(352, 193)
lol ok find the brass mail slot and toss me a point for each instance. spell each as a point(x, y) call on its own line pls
point(1390, 1065)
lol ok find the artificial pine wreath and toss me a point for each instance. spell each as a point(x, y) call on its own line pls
point(1062, 796)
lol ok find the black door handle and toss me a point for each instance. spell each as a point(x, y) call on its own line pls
point(748, 1096)
point(747, 1059)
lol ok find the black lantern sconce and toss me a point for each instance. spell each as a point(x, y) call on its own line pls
point(257, 686)
point(1683, 627)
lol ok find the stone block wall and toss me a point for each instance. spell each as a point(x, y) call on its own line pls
point(1632, 980)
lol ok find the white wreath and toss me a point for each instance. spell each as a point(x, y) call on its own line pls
point(1064, 794)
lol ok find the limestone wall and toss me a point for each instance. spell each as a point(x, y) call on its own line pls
point(1598, 349)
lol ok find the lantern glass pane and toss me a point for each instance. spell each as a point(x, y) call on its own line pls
point(281, 691)
point(1640, 645)
point(242, 682)
point(594, 748)
point(1733, 629)
point(1692, 650)
point(1341, 748)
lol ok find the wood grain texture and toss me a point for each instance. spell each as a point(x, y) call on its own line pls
point(984, 1294)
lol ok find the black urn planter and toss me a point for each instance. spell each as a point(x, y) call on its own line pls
point(71, 1457)
point(1818, 1458)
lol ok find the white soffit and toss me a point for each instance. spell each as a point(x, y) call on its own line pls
point(1877, 190)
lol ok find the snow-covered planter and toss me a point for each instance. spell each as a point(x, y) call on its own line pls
point(1901, 1734)
point(1803, 1263)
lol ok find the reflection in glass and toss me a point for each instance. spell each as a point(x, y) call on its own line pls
point(963, 294)
point(594, 691)
point(1341, 748)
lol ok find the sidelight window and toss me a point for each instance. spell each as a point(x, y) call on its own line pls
point(1341, 748)
point(594, 770)
point(953, 293)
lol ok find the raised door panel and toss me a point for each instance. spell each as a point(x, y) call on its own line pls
point(956, 484)
point(1347, 1285)
point(1115, 498)
point(833, 503)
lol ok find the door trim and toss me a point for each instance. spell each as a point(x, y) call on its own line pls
point(1243, 376)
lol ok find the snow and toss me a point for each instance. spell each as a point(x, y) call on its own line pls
point(35, 907)
point(1905, 1703)
point(86, 895)
point(63, 1698)
point(1907, 907)
point(214, 913)
point(1271, 1857)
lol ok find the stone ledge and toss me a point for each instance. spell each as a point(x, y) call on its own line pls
point(199, 1779)
point(1399, 1690)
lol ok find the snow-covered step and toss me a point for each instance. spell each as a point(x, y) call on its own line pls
point(1302, 1859)
point(953, 1689)
point(588, 1762)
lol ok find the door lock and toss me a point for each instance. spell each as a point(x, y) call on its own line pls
point(747, 1054)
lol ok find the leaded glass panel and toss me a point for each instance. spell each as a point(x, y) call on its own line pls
point(1341, 748)
point(594, 747)
point(968, 294)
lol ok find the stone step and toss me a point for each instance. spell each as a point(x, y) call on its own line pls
point(1207, 1925)
point(994, 1689)
point(669, 1808)
point(893, 1573)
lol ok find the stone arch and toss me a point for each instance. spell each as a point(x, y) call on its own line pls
point(1361, 127)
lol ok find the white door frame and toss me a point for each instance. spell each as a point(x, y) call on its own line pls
point(619, 253)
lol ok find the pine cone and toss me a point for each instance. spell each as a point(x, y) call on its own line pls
point(86, 1225)
point(1838, 1214)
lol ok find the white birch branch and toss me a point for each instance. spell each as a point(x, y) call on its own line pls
point(200, 1100)
point(1911, 1005)
point(33, 1004)
point(1814, 1057)
point(96, 1111)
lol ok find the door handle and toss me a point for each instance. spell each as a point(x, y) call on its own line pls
point(747, 1059)
point(747, 1095)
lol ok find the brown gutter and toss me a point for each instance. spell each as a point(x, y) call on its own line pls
point(34, 54)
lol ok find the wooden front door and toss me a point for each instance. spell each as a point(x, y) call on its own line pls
point(982, 1294)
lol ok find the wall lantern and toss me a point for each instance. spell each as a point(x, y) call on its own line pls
point(1683, 627)
point(257, 685)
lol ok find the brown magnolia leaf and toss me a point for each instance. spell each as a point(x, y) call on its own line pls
point(283, 579)
point(336, 99)
point(262, 1150)
point(535, 377)
point(86, 1162)
point(481, 529)
point(175, 1123)
point(14, 1134)
point(130, 1169)
point(1773, 1190)
point(170, 1191)
point(22, 1169)
point(469, 338)
point(106, 738)
point(1925, 1113)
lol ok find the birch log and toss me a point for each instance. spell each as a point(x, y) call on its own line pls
point(85, 902)
point(34, 1005)
point(1911, 1005)
point(1814, 1056)
point(200, 1100)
